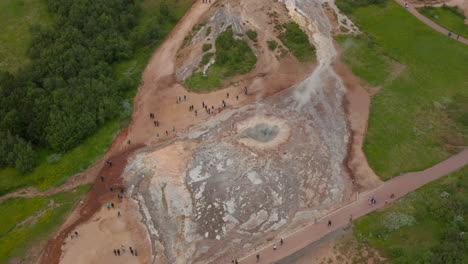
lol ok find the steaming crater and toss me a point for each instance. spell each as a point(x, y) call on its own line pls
point(263, 132)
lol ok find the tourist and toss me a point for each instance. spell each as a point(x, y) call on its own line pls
point(118, 252)
point(274, 247)
point(237, 98)
point(131, 250)
point(112, 205)
point(118, 214)
point(115, 252)
point(329, 223)
point(258, 257)
point(227, 95)
point(245, 90)
point(136, 252)
point(281, 242)
point(102, 178)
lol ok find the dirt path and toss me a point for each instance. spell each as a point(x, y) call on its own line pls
point(412, 9)
point(399, 186)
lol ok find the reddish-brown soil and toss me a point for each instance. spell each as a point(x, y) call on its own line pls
point(99, 194)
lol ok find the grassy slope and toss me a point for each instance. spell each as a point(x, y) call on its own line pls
point(233, 56)
point(408, 125)
point(432, 218)
point(446, 18)
point(45, 175)
point(297, 42)
point(39, 219)
point(16, 18)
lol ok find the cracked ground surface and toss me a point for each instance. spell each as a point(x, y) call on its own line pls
point(243, 176)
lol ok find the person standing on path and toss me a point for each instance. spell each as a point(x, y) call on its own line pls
point(281, 242)
point(329, 223)
point(102, 178)
point(258, 257)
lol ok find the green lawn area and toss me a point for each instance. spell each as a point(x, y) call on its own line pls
point(418, 117)
point(47, 175)
point(233, 56)
point(16, 18)
point(423, 227)
point(447, 17)
point(24, 221)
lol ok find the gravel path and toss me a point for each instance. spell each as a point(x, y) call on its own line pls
point(412, 9)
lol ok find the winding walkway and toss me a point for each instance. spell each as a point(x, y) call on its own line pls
point(412, 9)
point(399, 186)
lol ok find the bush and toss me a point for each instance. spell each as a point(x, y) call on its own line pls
point(16, 152)
point(208, 31)
point(206, 47)
point(233, 55)
point(206, 58)
point(252, 35)
point(297, 42)
point(26, 158)
point(272, 45)
point(54, 158)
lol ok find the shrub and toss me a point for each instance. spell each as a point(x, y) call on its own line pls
point(54, 158)
point(206, 47)
point(252, 35)
point(272, 45)
point(206, 58)
point(208, 31)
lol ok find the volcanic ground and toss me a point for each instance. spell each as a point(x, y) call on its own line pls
point(244, 176)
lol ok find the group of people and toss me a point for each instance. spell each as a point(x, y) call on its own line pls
point(120, 251)
point(74, 235)
point(209, 110)
point(450, 34)
point(206, 1)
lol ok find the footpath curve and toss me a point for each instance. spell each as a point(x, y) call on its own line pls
point(412, 9)
point(399, 186)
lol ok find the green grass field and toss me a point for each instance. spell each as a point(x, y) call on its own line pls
point(423, 227)
point(418, 117)
point(447, 18)
point(24, 221)
point(16, 18)
point(47, 175)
